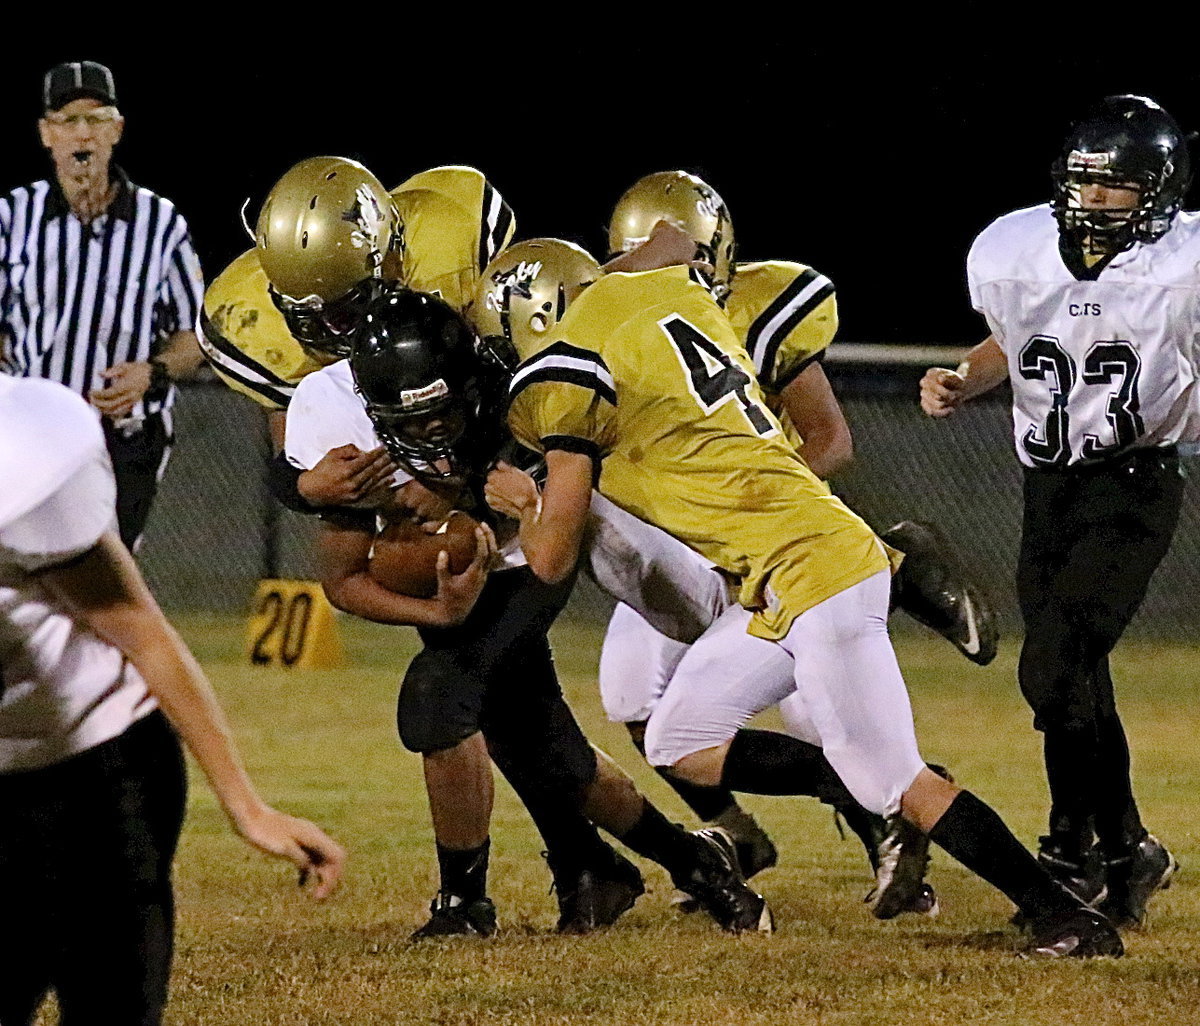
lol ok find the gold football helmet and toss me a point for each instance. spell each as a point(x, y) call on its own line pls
point(322, 237)
point(523, 293)
point(685, 201)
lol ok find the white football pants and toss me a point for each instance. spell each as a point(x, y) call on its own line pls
point(674, 588)
point(842, 671)
point(668, 596)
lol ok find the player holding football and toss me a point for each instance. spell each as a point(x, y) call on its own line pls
point(645, 382)
point(1092, 305)
point(328, 236)
point(412, 382)
point(328, 239)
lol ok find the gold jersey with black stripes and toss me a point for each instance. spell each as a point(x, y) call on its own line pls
point(646, 374)
point(454, 223)
point(786, 316)
point(460, 251)
point(246, 340)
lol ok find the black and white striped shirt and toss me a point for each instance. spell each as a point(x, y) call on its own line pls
point(76, 299)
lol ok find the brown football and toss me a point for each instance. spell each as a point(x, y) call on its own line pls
point(404, 557)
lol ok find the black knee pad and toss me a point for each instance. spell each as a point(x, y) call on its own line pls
point(439, 704)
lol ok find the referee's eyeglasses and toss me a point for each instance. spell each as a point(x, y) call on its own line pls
point(96, 116)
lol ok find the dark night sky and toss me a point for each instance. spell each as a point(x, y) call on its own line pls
point(876, 162)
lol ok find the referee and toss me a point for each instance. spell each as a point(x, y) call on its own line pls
point(99, 285)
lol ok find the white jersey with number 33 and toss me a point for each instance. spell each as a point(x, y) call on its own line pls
point(1099, 362)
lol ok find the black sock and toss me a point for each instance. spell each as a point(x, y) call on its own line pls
point(766, 762)
point(867, 827)
point(974, 834)
point(706, 802)
point(464, 870)
point(656, 838)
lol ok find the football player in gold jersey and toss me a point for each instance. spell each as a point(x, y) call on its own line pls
point(284, 309)
point(644, 384)
point(786, 315)
point(329, 242)
point(659, 581)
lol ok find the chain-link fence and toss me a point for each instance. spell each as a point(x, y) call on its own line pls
point(215, 531)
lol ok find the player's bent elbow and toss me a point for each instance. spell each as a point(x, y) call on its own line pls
point(828, 454)
point(840, 454)
point(338, 593)
point(551, 567)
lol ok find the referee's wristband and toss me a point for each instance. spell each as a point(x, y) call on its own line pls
point(160, 381)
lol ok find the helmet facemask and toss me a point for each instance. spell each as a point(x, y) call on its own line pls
point(324, 328)
point(1126, 142)
point(427, 437)
point(1106, 231)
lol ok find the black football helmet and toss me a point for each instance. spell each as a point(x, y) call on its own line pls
point(414, 364)
point(1124, 141)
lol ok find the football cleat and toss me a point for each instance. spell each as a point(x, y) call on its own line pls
point(1132, 881)
point(903, 857)
point(932, 587)
point(1076, 933)
point(595, 900)
point(1083, 875)
point(755, 849)
point(754, 854)
point(716, 882)
point(451, 916)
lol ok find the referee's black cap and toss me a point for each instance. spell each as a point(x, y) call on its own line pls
point(74, 79)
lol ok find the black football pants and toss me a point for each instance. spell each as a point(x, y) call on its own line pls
point(85, 855)
point(1091, 539)
point(139, 460)
point(495, 673)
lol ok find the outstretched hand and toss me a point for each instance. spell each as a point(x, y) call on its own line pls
point(319, 858)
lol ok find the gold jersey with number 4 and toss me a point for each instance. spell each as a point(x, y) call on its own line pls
point(454, 223)
point(786, 316)
point(647, 375)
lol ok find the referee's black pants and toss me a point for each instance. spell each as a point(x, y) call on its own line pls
point(139, 459)
point(1091, 539)
point(85, 855)
point(495, 674)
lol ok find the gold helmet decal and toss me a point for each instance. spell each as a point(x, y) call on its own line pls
point(687, 202)
point(324, 229)
point(524, 292)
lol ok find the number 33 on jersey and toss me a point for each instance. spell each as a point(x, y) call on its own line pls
point(1101, 359)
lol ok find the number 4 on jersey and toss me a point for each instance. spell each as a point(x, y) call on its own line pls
point(713, 378)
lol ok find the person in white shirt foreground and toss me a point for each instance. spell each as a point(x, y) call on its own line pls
point(92, 680)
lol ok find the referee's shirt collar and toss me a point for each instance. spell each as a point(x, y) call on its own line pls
point(121, 207)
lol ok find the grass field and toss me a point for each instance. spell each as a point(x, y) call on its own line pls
point(251, 950)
